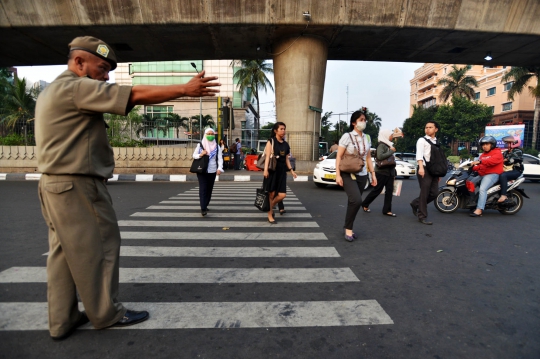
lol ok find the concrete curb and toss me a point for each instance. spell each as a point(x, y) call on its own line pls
point(155, 178)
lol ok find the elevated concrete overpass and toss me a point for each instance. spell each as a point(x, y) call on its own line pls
point(36, 32)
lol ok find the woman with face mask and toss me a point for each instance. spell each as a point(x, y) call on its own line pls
point(208, 147)
point(354, 183)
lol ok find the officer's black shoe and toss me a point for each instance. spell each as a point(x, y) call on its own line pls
point(424, 221)
point(132, 317)
point(82, 320)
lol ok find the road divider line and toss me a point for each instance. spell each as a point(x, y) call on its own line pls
point(222, 208)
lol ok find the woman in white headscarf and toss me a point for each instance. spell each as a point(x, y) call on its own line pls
point(385, 175)
point(208, 147)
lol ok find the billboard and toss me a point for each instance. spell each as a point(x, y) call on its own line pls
point(517, 131)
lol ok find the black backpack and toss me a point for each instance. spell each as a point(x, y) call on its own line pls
point(438, 164)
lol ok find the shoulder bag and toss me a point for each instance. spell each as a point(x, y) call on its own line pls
point(387, 162)
point(200, 165)
point(261, 159)
point(262, 199)
point(352, 163)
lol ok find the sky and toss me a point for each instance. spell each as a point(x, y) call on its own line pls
point(382, 87)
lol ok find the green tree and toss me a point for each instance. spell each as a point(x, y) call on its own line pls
point(457, 83)
point(207, 121)
point(252, 75)
point(266, 130)
point(18, 102)
point(463, 120)
point(325, 126)
point(521, 76)
point(373, 125)
point(413, 128)
point(340, 128)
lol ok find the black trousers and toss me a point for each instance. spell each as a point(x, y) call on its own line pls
point(236, 161)
point(429, 188)
point(505, 177)
point(383, 181)
point(206, 186)
point(354, 190)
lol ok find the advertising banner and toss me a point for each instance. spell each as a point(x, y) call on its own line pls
point(517, 131)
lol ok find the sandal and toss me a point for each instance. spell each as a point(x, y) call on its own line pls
point(390, 214)
point(281, 212)
point(366, 209)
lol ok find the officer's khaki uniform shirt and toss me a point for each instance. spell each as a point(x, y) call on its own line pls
point(71, 136)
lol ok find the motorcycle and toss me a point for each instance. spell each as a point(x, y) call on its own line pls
point(455, 194)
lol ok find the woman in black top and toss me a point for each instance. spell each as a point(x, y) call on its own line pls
point(275, 182)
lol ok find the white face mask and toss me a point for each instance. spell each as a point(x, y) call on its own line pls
point(360, 126)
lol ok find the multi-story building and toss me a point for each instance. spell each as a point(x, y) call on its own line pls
point(180, 72)
point(490, 91)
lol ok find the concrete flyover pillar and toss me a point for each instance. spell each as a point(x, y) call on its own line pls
point(299, 73)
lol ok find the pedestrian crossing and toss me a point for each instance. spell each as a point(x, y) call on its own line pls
point(160, 231)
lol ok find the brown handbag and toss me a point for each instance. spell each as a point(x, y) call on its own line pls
point(352, 163)
point(261, 159)
point(387, 162)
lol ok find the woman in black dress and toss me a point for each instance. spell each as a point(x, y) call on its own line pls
point(276, 181)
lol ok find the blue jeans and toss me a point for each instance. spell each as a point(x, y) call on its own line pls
point(485, 184)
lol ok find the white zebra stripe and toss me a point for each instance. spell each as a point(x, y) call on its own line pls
point(213, 215)
point(222, 208)
point(232, 223)
point(219, 315)
point(226, 236)
point(228, 252)
point(200, 275)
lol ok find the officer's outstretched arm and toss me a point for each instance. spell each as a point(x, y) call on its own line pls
point(196, 87)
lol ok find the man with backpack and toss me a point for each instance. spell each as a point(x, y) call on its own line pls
point(432, 165)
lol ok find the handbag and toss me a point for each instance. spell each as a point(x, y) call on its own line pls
point(261, 159)
point(262, 199)
point(352, 163)
point(200, 165)
point(387, 162)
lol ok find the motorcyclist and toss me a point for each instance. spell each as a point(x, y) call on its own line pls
point(489, 166)
point(512, 165)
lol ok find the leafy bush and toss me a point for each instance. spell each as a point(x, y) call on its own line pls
point(464, 153)
point(531, 151)
point(453, 159)
point(122, 142)
point(15, 139)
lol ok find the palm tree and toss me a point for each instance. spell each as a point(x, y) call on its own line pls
point(207, 120)
point(252, 75)
point(521, 77)
point(456, 83)
point(18, 103)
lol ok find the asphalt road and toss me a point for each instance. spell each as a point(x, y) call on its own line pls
point(462, 288)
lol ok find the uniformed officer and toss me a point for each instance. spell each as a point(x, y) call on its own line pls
point(75, 159)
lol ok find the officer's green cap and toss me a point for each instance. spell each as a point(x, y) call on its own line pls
point(96, 47)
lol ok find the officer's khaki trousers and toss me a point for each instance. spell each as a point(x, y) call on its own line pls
point(84, 246)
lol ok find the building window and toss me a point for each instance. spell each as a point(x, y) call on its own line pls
point(492, 108)
point(507, 106)
point(508, 86)
point(165, 66)
point(491, 91)
point(477, 96)
point(158, 111)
